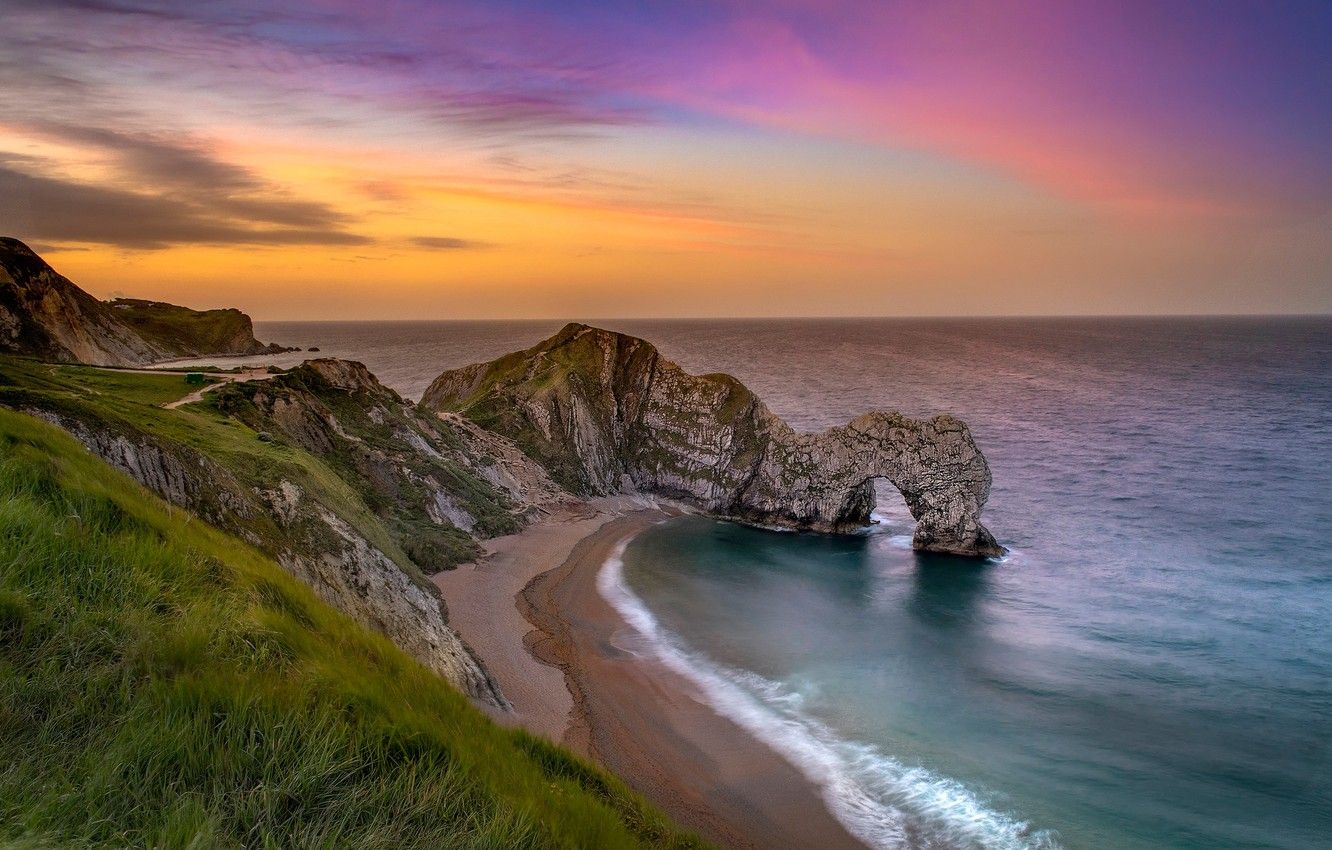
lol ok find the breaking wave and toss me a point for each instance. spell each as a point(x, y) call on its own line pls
point(885, 803)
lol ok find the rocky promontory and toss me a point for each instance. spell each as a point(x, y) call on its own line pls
point(192, 333)
point(45, 315)
point(605, 412)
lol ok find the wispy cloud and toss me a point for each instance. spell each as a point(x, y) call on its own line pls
point(447, 243)
point(463, 66)
point(102, 75)
point(160, 191)
point(1113, 103)
point(50, 208)
point(782, 126)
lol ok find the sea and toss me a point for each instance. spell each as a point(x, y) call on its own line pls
point(1149, 667)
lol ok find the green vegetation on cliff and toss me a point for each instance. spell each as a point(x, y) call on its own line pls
point(164, 684)
point(351, 490)
point(127, 404)
point(345, 468)
point(184, 332)
point(360, 447)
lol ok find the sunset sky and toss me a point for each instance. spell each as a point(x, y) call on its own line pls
point(442, 160)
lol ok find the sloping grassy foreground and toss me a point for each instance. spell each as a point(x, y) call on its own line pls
point(164, 685)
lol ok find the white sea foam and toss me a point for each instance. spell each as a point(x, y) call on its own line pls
point(900, 541)
point(881, 801)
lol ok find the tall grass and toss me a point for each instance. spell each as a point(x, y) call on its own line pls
point(165, 685)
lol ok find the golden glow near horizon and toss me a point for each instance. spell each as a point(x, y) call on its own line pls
point(325, 165)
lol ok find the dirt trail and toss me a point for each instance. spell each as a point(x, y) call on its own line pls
point(224, 378)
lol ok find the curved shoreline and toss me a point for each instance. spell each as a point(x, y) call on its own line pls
point(645, 722)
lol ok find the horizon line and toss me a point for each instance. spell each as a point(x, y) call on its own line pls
point(831, 318)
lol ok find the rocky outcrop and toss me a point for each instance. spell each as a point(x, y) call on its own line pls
point(435, 485)
point(604, 412)
point(179, 475)
point(825, 481)
point(44, 315)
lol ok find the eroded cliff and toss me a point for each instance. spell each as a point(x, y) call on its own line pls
point(45, 315)
point(604, 412)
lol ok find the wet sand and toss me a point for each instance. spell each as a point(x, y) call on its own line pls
point(569, 681)
point(481, 603)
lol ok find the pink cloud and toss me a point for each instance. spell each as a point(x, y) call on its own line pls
point(1160, 108)
point(1110, 104)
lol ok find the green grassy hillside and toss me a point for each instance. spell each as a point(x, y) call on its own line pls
point(163, 684)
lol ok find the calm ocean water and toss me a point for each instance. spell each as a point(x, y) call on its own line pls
point(1150, 668)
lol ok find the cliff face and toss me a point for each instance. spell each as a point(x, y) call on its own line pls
point(352, 490)
point(44, 315)
point(435, 485)
point(318, 546)
point(605, 411)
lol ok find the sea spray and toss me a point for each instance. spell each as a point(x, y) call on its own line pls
point(881, 801)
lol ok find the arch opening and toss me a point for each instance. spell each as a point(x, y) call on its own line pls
point(876, 502)
point(890, 508)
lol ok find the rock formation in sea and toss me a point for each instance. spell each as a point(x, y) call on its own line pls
point(44, 315)
point(605, 412)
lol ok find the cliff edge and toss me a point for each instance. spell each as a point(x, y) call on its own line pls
point(352, 490)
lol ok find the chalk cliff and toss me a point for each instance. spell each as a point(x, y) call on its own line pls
point(604, 412)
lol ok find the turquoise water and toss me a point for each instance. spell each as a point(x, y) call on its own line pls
point(1152, 666)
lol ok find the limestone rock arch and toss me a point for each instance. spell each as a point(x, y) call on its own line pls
point(603, 411)
point(826, 481)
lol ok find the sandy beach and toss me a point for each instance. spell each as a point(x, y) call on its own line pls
point(532, 612)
